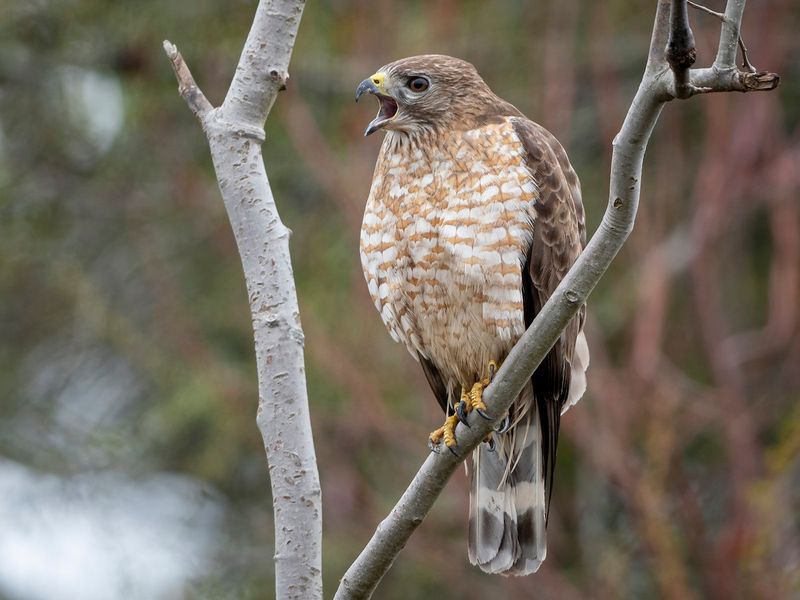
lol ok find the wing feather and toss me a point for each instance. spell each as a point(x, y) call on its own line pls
point(559, 234)
point(435, 380)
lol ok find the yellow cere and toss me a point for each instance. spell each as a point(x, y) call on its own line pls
point(378, 79)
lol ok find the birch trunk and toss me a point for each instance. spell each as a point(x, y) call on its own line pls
point(235, 134)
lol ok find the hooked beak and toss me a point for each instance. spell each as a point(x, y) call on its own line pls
point(388, 105)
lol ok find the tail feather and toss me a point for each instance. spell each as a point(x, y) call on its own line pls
point(507, 506)
point(579, 364)
point(488, 522)
point(512, 484)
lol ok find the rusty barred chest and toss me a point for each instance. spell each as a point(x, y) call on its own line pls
point(445, 234)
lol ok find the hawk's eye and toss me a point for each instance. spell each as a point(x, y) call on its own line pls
point(418, 84)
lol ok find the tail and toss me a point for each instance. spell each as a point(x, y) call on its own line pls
point(511, 485)
point(508, 508)
point(579, 365)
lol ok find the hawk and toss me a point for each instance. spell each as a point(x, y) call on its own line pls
point(473, 218)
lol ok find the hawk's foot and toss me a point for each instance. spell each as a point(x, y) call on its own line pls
point(446, 433)
point(470, 400)
point(473, 400)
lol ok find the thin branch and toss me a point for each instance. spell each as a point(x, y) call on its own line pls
point(732, 80)
point(235, 133)
point(705, 9)
point(187, 88)
point(729, 35)
point(723, 76)
point(656, 88)
point(745, 58)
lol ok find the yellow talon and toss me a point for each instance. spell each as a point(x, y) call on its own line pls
point(476, 397)
point(470, 400)
point(446, 432)
point(466, 400)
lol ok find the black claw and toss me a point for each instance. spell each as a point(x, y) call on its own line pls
point(482, 413)
point(491, 444)
point(492, 373)
point(452, 449)
point(502, 427)
point(461, 412)
point(433, 448)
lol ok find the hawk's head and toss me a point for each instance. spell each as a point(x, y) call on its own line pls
point(427, 92)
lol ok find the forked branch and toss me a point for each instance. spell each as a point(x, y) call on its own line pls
point(235, 133)
point(745, 58)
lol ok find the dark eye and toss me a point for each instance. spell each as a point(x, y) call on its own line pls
point(418, 84)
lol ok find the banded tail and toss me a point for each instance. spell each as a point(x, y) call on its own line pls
point(510, 493)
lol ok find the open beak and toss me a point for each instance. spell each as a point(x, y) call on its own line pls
point(388, 105)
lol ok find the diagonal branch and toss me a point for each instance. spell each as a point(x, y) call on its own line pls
point(235, 133)
point(657, 87)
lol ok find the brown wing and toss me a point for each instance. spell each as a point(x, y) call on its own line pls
point(559, 235)
point(435, 381)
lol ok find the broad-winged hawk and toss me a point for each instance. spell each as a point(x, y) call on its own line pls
point(473, 218)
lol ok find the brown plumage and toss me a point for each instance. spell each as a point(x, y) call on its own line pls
point(473, 218)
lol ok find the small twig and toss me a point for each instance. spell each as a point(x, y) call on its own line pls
point(187, 88)
point(732, 80)
point(745, 60)
point(761, 81)
point(700, 7)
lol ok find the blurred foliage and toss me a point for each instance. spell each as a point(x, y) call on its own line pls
point(126, 342)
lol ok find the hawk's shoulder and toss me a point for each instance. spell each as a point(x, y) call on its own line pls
point(560, 218)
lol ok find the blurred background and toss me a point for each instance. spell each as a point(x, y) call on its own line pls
point(130, 461)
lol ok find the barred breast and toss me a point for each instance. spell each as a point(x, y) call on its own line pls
point(443, 243)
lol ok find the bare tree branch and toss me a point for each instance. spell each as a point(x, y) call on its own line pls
point(745, 58)
point(187, 88)
point(235, 133)
point(732, 80)
point(729, 35)
point(706, 10)
point(657, 87)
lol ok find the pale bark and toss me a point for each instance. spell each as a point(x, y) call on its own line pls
point(658, 86)
point(235, 134)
